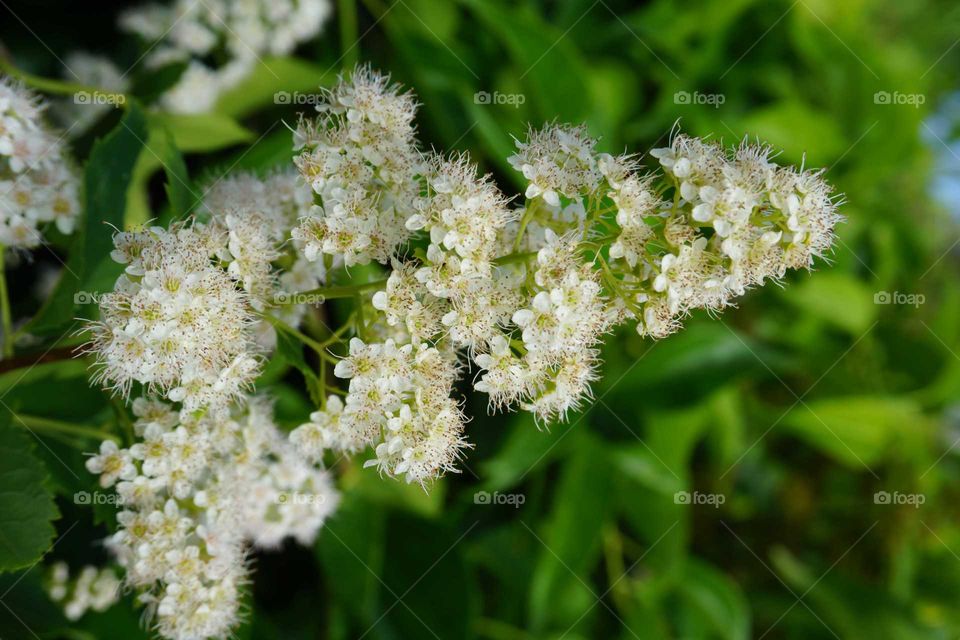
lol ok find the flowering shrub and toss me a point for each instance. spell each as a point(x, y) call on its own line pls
point(280, 362)
point(519, 291)
point(524, 292)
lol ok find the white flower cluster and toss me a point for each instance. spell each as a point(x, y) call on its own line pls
point(525, 292)
point(256, 216)
point(93, 588)
point(361, 159)
point(175, 323)
point(195, 492)
point(38, 184)
point(209, 474)
point(399, 402)
point(234, 33)
point(737, 220)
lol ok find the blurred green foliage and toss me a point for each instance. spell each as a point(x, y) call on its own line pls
point(740, 479)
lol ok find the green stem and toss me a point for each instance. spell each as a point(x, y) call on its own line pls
point(59, 87)
point(123, 419)
point(56, 426)
point(332, 293)
point(336, 335)
point(349, 43)
point(299, 335)
point(524, 221)
point(513, 258)
point(5, 308)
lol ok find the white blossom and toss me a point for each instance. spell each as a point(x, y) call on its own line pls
point(38, 183)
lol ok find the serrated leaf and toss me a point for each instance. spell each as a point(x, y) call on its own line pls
point(27, 509)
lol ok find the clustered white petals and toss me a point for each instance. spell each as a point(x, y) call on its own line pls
point(399, 403)
point(195, 493)
point(240, 34)
point(361, 159)
point(93, 588)
point(525, 292)
point(255, 216)
point(520, 295)
point(175, 323)
point(38, 183)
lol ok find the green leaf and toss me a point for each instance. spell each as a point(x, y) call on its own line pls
point(824, 294)
point(850, 609)
point(203, 132)
point(800, 131)
point(570, 542)
point(683, 369)
point(270, 82)
point(638, 463)
point(526, 447)
point(28, 612)
point(716, 599)
point(26, 519)
point(859, 431)
point(290, 349)
point(160, 152)
point(553, 70)
point(89, 267)
point(351, 547)
point(425, 567)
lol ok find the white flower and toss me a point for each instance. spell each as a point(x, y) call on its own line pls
point(94, 588)
point(194, 507)
point(112, 463)
point(38, 184)
point(182, 327)
point(240, 34)
point(558, 160)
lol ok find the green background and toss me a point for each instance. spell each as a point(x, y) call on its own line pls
point(796, 408)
